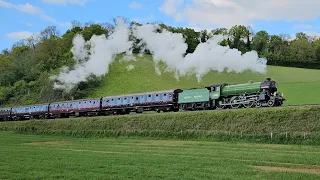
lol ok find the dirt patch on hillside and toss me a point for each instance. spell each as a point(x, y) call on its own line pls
point(284, 169)
point(48, 143)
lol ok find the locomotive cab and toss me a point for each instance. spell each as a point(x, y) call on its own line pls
point(269, 86)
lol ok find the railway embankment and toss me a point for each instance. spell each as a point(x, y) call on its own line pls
point(292, 125)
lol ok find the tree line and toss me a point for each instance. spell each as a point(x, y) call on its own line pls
point(27, 66)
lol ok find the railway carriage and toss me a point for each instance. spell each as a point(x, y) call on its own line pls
point(82, 107)
point(20, 113)
point(5, 114)
point(149, 101)
point(36, 111)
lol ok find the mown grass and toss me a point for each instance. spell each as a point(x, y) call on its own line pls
point(57, 157)
point(300, 86)
point(287, 125)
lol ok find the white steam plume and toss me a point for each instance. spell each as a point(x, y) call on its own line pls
point(165, 46)
point(170, 47)
point(102, 52)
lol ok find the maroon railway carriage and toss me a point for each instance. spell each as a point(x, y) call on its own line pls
point(82, 107)
point(5, 114)
point(149, 101)
point(35, 111)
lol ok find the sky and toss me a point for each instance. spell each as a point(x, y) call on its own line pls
point(22, 18)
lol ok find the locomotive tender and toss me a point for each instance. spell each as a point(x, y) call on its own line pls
point(220, 96)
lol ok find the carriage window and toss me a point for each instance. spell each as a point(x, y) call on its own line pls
point(107, 100)
point(149, 95)
point(119, 99)
point(157, 95)
point(165, 95)
point(137, 98)
point(125, 98)
point(112, 99)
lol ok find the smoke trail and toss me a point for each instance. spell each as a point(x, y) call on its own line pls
point(170, 47)
point(165, 46)
point(102, 53)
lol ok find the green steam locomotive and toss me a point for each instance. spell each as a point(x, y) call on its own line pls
point(222, 96)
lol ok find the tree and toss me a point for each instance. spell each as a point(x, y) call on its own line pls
point(301, 49)
point(301, 36)
point(93, 29)
point(221, 31)
point(318, 54)
point(192, 39)
point(49, 32)
point(204, 36)
point(239, 38)
point(260, 43)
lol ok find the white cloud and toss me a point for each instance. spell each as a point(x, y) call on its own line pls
point(227, 13)
point(64, 2)
point(136, 5)
point(302, 26)
point(5, 4)
point(27, 8)
point(19, 35)
point(170, 7)
point(30, 9)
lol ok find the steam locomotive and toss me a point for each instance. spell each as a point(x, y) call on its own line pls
point(219, 96)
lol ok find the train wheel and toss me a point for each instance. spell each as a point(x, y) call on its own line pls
point(219, 105)
point(234, 103)
point(271, 103)
point(258, 104)
point(249, 104)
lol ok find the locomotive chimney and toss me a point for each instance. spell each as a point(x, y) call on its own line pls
point(268, 79)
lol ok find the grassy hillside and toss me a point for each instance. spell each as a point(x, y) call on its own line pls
point(300, 86)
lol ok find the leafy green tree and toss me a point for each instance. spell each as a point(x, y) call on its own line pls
point(192, 39)
point(221, 31)
point(301, 49)
point(240, 38)
point(260, 43)
point(93, 29)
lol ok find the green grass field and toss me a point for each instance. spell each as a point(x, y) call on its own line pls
point(300, 86)
point(58, 157)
